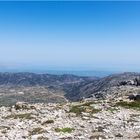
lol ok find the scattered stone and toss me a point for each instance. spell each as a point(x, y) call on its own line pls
point(55, 122)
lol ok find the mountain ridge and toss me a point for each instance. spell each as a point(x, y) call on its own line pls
point(31, 87)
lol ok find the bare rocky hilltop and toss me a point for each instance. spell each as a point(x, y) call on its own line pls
point(90, 119)
point(68, 107)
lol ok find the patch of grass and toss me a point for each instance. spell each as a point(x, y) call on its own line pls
point(48, 122)
point(77, 110)
point(36, 131)
point(86, 107)
point(133, 105)
point(20, 116)
point(64, 130)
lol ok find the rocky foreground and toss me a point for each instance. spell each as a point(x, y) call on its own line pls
point(94, 119)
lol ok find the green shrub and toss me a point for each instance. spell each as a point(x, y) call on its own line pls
point(86, 107)
point(64, 130)
point(76, 109)
point(134, 104)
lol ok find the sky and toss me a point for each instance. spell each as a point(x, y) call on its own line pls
point(70, 35)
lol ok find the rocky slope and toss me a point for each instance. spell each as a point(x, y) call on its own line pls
point(93, 119)
point(100, 88)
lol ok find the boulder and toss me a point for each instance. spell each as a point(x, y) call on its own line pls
point(137, 97)
point(22, 105)
point(131, 97)
point(134, 97)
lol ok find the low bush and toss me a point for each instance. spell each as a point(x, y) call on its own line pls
point(134, 104)
point(86, 107)
point(64, 130)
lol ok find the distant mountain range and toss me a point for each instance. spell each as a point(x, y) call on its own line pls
point(32, 79)
point(58, 88)
point(88, 73)
point(97, 73)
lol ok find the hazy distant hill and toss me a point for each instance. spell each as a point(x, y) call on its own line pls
point(32, 79)
point(87, 73)
point(31, 87)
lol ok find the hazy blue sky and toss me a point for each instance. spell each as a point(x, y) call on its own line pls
point(70, 35)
